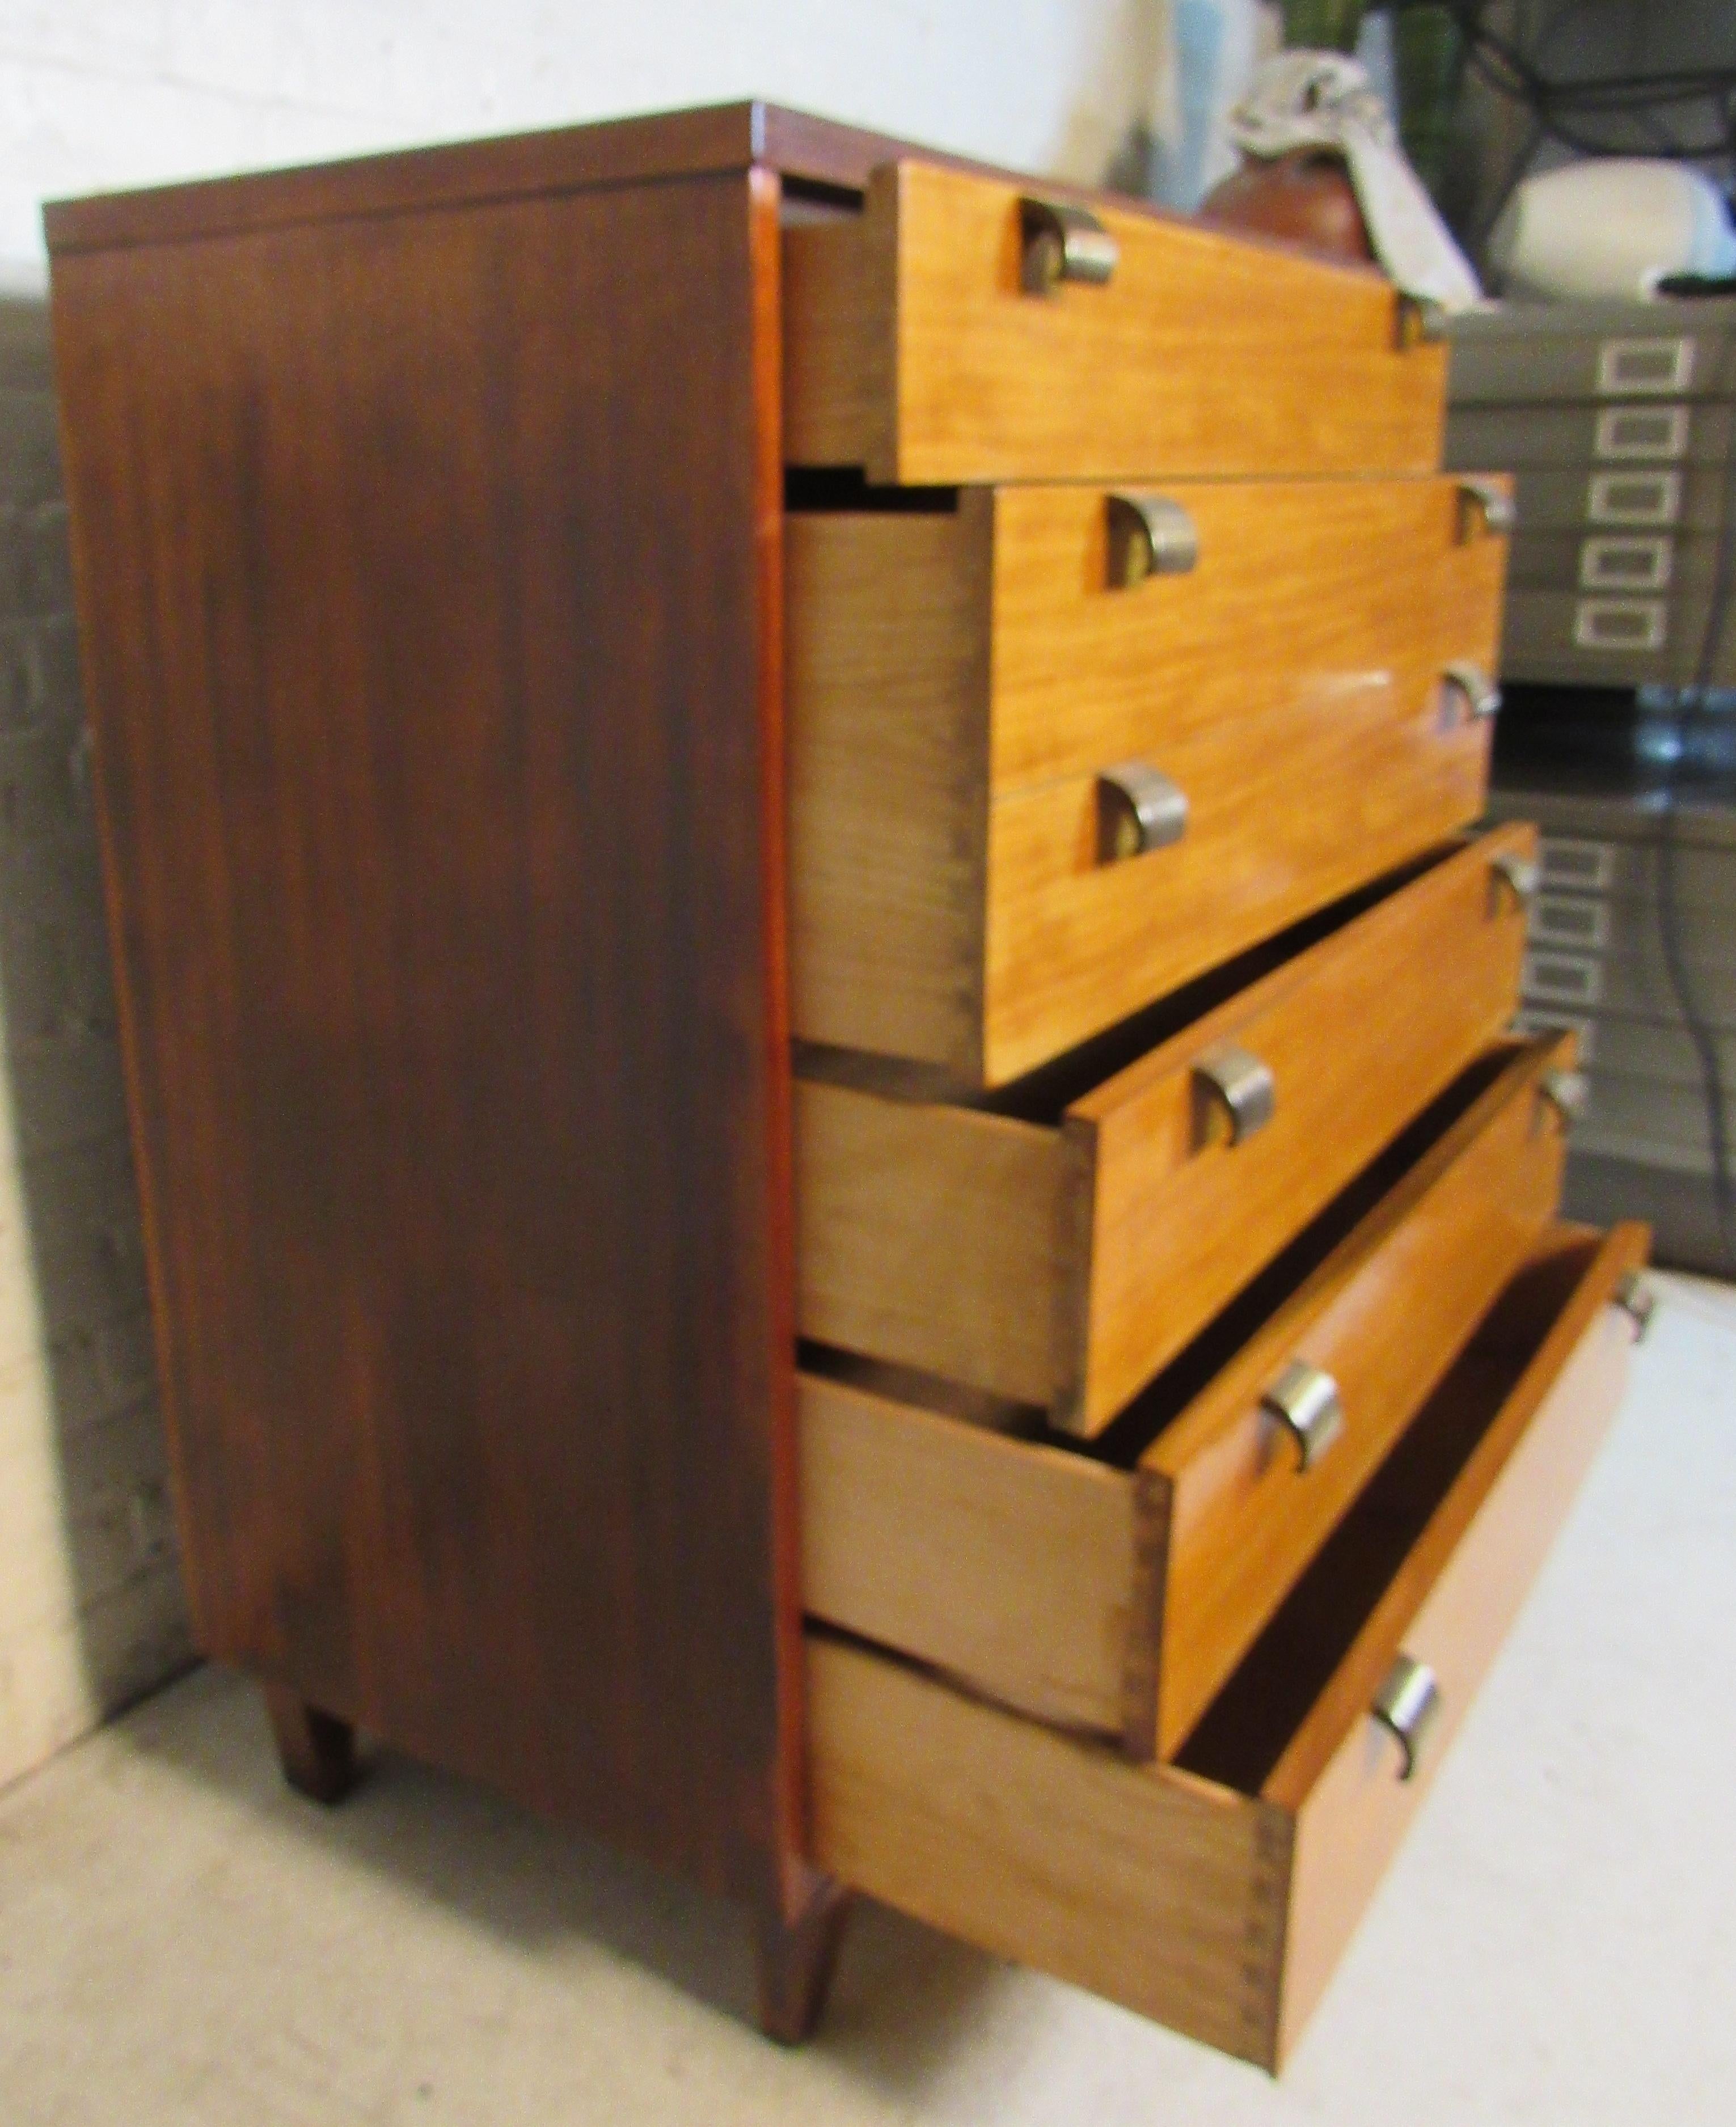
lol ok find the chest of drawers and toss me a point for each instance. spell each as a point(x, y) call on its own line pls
point(816, 1028)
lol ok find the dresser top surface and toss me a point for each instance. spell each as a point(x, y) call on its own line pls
point(716, 138)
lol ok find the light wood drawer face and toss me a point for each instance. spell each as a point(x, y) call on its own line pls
point(1118, 1599)
point(1063, 1263)
point(959, 682)
point(1217, 1907)
point(912, 348)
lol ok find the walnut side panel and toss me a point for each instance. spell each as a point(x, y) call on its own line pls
point(426, 594)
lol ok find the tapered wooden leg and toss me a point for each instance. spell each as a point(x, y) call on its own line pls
point(795, 1962)
point(318, 1750)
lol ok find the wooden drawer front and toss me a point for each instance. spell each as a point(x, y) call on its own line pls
point(1063, 1264)
point(911, 348)
point(1119, 1599)
point(959, 682)
point(1217, 1907)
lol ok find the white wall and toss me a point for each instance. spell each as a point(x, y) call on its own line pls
point(100, 93)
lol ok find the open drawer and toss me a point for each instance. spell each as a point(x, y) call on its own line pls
point(1059, 1246)
point(978, 694)
point(1118, 1594)
point(962, 328)
point(1218, 1895)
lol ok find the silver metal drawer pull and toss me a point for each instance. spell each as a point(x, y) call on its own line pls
point(1569, 1093)
point(1238, 1089)
point(1519, 876)
point(1636, 1299)
point(1420, 322)
point(1063, 244)
point(1485, 510)
point(1149, 536)
point(1407, 1705)
point(1306, 1402)
point(1138, 808)
point(1480, 694)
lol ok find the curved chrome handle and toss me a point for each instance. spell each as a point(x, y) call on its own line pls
point(1138, 808)
point(1407, 1705)
point(1517, 875)
point(1569, 1093)
point(1480, 693)
point(1239, 1090)
point(1638, 1301)
point(1485, 509)
point(1149, 536)
point(1063, 243)
point(1306, 1402)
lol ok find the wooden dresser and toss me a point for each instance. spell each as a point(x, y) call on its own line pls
point(817, 1036)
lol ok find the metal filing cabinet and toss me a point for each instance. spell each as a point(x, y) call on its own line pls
point(1596, 963)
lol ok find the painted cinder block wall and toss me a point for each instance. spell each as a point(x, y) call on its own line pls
point(101, 93)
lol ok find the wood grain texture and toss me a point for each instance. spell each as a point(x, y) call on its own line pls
point(932, 1235)
point(1063, 1266)
point(1169, 370)
point(1120, 1602)
point(1356, 1812)
point(934, 658)
point(1302, 591)
point(1220, 1911)
point(1360, 1033)
point(1385, 1315)
point(888, 647)
point(707, 140)
point(1032, 1573)
point(1558, 1301)
point(444, 886)
point(1154, 1890)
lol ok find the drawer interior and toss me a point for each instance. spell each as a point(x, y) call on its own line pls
point(1399, 1533)
point(1058, 1242)
point(1112, 1589)
point(1217, 1895)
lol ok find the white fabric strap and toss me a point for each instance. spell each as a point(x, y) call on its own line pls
point(1323, 100)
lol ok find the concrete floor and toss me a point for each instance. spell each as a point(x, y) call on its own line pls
point(182, 1941)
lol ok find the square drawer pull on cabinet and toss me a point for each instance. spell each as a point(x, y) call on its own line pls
point(1149, 536)
point(1636, 1299)
point(1138, 808)
point(1238, 1092)
point(1486, 510)
point(1519, 876)
point(1063, 244)
point(1407, 1706)
point(1480, 693)
point(1306, 1402)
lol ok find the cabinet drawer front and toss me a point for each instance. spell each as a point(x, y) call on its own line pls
point(1358, 1035)
point(1383, 1320)
point(963, 683)
point(1063, 1263)
point(912, 348)
point(1119, 1599)
point(1218, 1907)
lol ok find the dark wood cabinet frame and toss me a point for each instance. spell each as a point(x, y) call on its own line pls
point(427, 524)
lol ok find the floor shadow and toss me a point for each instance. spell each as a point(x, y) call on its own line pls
point(904, 1997)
